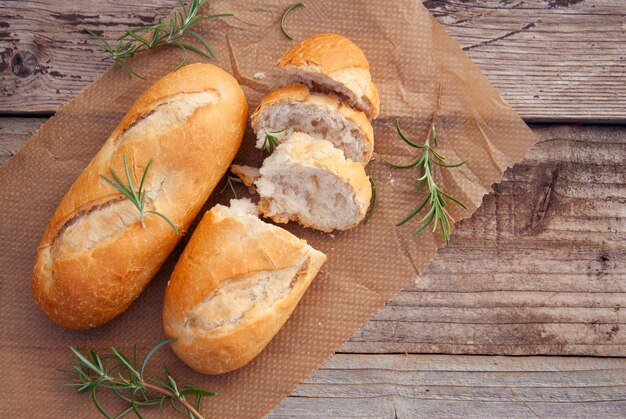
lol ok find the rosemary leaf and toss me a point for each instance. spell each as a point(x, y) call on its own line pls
point(204, 43)
point(128, 383)
point(131, 186)
point(163, 32)
point(98, 405)
point(138, 198)
point(287, 11)
point(196, 392)
point(271, 140)
point(437, 215)
point(405, 138)
point(230, 178)
point(414, 213)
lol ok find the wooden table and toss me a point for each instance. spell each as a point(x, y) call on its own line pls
point(538, 272)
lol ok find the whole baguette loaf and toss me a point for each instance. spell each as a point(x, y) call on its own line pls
point(235, 285)
point(96, 256)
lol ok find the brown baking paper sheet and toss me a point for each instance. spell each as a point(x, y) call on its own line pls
point(409, 53)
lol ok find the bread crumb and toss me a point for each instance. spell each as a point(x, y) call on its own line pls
point(332, 236)
point(259, 75)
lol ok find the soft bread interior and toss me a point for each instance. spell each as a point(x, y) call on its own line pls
point(243, 210)
point(87, 229)
point(320, 121)
point(310, 195)
point(350, 84)
point(167, 114)
point(242, 299)
point(239, 300)
point(295, 186)
point(94, 226)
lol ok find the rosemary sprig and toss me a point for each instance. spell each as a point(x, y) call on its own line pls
point(169, 32)
point(138, 198)
point(271, 140)
point(435, 198)
point(127, 380)
point(287, 11)
point(230, 178)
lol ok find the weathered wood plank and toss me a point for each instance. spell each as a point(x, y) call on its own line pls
point(552, 60)
point(546, 57)
point(14, 132)
point(540, 268)
point(408, 386)
point(46, 58)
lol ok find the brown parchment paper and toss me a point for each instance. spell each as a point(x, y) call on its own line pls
point(409, 53)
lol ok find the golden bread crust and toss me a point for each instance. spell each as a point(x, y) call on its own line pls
point(81, 283)
point(224, 250)
point(341, 61)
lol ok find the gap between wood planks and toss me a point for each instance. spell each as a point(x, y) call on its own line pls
point(405, 386)
point(553, 60)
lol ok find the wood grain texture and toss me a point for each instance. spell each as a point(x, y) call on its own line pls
point(45, 56)
point(553, 60)
point(540, 268)
point(14, 132)
point(409, 386)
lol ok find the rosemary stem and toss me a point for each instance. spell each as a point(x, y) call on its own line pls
point(438, 215)
point(427, 172)
point(169, 393)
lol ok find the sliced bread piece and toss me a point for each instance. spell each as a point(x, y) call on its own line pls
point(247, 174)
point(235, 285)
point(324, 117)
point(311, 182)
point(329, 62)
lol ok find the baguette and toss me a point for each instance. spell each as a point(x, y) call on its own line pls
point(96, 255)
point(235, 285)
point(322, 116)
point(311, 182)
point(329, 62)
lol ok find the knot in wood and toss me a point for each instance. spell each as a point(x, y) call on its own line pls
point(23, 64)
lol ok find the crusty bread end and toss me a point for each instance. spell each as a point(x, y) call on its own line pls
point(332, 63)
point(235, 285)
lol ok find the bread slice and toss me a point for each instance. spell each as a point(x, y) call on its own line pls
point(311, 182)
point(247, 174)
point(294, 108)
point(332, 63)
point(235, 285)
